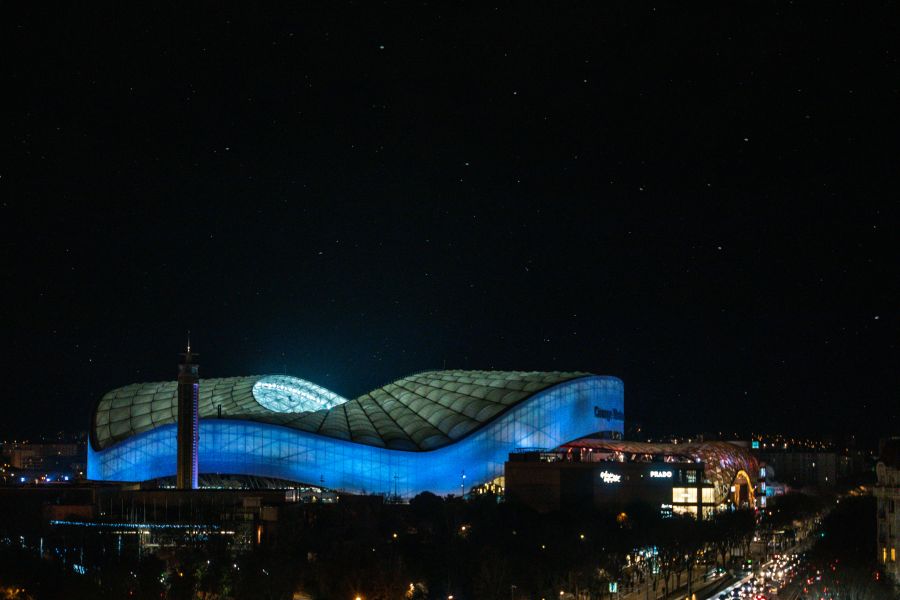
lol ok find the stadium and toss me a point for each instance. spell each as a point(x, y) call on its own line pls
point(439, 431)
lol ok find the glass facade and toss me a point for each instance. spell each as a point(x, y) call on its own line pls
point(562, 408)
point(684, 495)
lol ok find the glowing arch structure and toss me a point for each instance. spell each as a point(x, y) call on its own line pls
point(742, 478)
point(419, 433)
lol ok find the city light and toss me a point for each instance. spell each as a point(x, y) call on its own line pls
point(468, 234)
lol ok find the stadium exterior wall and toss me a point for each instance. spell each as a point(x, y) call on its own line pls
point(547, 419)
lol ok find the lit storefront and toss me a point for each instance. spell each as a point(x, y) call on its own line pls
point(694, 479)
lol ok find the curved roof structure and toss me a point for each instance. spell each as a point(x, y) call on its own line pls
point(441, 431)
point(424, 411)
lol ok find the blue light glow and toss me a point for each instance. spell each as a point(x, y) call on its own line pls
point(125, 525)
point(547, 419)
point(285, 394)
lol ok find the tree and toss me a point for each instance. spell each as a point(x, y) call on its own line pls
point(491, 580)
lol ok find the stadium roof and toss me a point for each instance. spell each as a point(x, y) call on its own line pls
point(424, 411)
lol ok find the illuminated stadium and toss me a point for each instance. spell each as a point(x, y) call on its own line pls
point(438, 431)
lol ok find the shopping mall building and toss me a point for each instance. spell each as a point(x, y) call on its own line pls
point(447, 432)
point(695, 478)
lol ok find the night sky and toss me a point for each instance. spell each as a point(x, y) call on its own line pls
point(699, 200)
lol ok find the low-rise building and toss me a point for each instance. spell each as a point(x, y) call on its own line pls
point(806, 468)
point(38, 455)
point(887, 492)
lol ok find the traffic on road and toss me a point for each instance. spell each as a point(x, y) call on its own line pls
point(767, 582)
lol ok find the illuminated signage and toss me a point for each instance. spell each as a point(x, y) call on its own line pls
point(608, 477)
point(661, 474)
point(754, 444)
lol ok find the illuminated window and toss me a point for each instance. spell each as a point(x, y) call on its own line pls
point(893, 555)
point(884, 554)
point(684, 494)
point(690, 476)
point(685, 510)
point(709, 495)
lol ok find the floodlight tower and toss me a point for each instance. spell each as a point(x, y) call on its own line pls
point(188, 420)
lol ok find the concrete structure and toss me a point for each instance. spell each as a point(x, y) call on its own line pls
point(188, 435)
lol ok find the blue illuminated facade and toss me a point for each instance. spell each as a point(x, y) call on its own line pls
point(564, 409)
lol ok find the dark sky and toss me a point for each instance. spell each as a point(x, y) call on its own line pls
point(701, 201)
